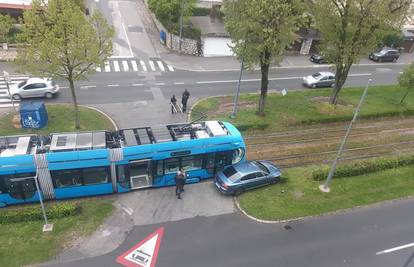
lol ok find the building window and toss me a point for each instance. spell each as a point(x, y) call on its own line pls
point(66, 178)
point(97, 175)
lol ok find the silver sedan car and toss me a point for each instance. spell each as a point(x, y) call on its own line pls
point(34, 87)
point(320, 79)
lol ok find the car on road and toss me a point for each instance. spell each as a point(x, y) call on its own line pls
point(34, 87)
point(385, 54)
point(235, 179)
point(318, 58)
point(320, 79)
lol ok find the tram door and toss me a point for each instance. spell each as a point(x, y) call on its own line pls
point(21, 188)
point(216, 162)
point(140, 173)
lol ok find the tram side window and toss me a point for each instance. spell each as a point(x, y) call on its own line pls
point(123, 175)
point(97, 175)
point(172, 165)
point(160, 168)
point(192, 162)
point(65, 178)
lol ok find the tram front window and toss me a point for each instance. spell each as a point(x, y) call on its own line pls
point(238, 154)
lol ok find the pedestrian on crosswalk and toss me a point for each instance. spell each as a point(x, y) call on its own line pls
point(173, 104)
point(184, 99)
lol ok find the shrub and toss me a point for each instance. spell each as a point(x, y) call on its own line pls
point(201, 11)
point(30, 213)
point(364, 167)
point(252, 126)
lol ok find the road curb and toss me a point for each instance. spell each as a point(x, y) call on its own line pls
point(103, 113)
point(283, 67)
point(341, 211)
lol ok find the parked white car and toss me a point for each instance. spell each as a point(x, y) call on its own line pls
point(320, 79)
point(34, 87)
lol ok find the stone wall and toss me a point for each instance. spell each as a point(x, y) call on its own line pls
point(188, 46)
point(8, 52)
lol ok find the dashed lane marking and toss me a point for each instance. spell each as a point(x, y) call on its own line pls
point(395, 249)
point(170, 68)
point(113, 85)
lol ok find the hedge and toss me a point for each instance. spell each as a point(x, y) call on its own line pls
point(364, 167)
point(30, 213)
point(201, 11)
point(252, 126)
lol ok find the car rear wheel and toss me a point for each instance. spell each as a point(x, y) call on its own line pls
point(333, 85)
point(238, 191)
point(49, 95)
point(394, 59)
point(16, 97)
point(313, 85)
point(380, 60)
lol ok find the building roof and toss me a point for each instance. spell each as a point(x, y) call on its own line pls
point(15, 4)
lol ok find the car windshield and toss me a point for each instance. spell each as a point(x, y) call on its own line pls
point(261, 166)
point(231, 173)
point(316, 75)
point(22, 84)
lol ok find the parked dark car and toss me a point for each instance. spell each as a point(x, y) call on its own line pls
point(246, 175)
point(385, 54)
point(318, 58)
point(319, 79)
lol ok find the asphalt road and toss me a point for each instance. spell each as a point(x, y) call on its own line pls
point(347, 239)
point(118, 87)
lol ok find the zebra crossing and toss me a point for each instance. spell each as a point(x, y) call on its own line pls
point(134, 65)
point(5, 100)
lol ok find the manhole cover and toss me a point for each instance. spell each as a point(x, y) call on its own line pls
point(135, 29)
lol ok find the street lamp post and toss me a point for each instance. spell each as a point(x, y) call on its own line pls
point(325, 187)
point(236, 97)
point(181, 25)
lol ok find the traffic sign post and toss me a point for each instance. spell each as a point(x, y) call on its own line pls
point(7, 80)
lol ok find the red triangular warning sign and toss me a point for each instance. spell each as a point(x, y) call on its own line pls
point(143, 254)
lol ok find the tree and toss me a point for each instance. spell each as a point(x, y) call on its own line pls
point(351, 28)
point(64, 43)
point(406, 80)
point(169, 11)
point(261, 31)
point(6, 24)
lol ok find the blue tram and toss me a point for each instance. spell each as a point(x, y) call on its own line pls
point(70, 165)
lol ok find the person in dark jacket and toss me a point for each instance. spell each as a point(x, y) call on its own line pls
point(184, 99)
point(173, 104)
point(179, 182)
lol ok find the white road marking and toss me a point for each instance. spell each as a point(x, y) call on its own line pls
point(127, 39)
point(360, 74)
point(144, 67)
point(3, 86)
point(128, 210)
point(113, 85)
point(9, 105)
point(134, 65)
point(152, 65)
point(170, 68)
point(228, 81)
point(117, 57)
point(176, 83)
point(159, 83)
point(107, 66)
point(64, 87)
point(395, 249)
point(98, 69)
point(87, 86)
point(138, 84)
point(401, 72)
point(125, 65)
point(160, 65)
point(6, 100)
point(116, 65)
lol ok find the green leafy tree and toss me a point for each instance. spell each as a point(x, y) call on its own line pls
point(261, 31)
point(64, 43)
point(6, 25)
point(351, 28)
point(406, 80)
point(169, 11)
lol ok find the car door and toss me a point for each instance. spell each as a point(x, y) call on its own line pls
point(28, 90)
point(331, 80)
point(39, 91)
point(246, 181)
point(323, 82)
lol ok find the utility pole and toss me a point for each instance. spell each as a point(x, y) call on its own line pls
point(47, 227)
point(325, 187)
point(181, 25)
point(236, 97)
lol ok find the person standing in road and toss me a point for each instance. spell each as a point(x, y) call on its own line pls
point(173, 104)
point(184, 99)
point(179, 182)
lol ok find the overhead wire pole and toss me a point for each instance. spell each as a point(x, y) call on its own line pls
point(325, 187)
point(181, 25)
point(46, 227)
point(236, 97)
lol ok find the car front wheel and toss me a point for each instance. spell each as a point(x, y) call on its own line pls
point(49, 95)
point(238, 191)
point(16, 97)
